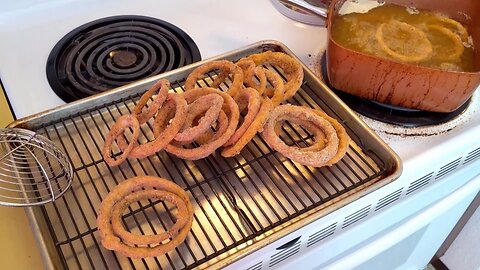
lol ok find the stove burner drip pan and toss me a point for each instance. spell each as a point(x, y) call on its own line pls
point(240, 204)
point(114, 51)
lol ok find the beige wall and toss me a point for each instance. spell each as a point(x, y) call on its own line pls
point(18, 249)
point(5, 114)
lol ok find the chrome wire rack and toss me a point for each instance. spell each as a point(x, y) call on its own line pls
point(239, 202)
point(33, 171)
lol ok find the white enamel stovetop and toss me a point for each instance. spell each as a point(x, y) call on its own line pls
point(29, 30)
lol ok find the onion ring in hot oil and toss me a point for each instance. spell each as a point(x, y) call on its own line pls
point(251, 97)
point(210, 105)
point(233, 113)
point(169, 132)
point(162, 86)
point(454, 52)
point(316, 158)
point(459, 29)
point(343, 138)
point(391, 38)
point(292, 69)
point(255, 127)
point(226, 68)
point(112, 242)
point(116, 132)
point(134, 239)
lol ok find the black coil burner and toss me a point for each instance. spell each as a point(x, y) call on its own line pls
point(389, 113)
point(114, 51)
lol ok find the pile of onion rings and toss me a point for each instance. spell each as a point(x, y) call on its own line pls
point(195, 123)
point(115, 237)
point(230, 109)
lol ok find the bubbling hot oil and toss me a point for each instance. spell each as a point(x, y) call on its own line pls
point(407, 35)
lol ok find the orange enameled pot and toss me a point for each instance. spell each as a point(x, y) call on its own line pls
point(400, 84)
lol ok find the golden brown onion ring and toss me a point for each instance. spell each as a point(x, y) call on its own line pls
point(162, 86)
point(316, 158)
point(253, 128)
point(250, 71)
point(248, 68)
point(116, 133)
point(261, 86)
point(277, 93)
point(135, 239)
point(220, 128)
point(226, 68)
point(292, 69)
point(318, 135)
point(232, 111)
point(343, 138)
point(164, 138)
point(251, 97)
point(210, 105)
point(165, 115)
point(112, 242)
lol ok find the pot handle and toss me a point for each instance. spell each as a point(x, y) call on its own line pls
point(319, 11)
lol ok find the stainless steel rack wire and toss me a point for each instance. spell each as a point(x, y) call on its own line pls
point(33, 171)
point(238, 202)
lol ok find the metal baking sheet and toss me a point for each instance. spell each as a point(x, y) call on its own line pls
point(240, 203)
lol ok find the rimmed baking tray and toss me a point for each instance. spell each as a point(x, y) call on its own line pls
point(241, 204)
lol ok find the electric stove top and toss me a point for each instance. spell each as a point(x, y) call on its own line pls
point(113, 51)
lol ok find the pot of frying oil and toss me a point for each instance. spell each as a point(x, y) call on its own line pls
point(416, 54)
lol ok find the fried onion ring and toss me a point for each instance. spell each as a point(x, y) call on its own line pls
point(317, 133)
point(116, 133)
point(231, 110)
point(316, 158)
point(255, 127)
point(448, 53)
point(250, 70)
point(403, 41)
point(343, 138)
point(320, 140)
point(211, 105)
point(226, 68)
point(251, 97)
point(277, 93)
point(459, 29)
point(162, 86)
point(169, 132)
point(121, 195)
point(292, 69)
point(220, 128)
point(134, 239)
